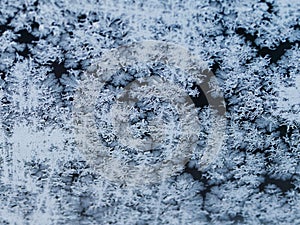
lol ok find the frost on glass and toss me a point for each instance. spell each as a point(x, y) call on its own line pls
point(145, 126)
point(252, 47)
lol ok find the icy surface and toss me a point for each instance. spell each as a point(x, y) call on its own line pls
point(252, 47)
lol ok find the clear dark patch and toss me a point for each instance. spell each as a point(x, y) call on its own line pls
point(270, 7)
point(25, 37)
point(82, 18)
point(215, 67)
point(35, 26)
point(4, 27)
point(196, 174)
point(283, 185)
point(58, 69)
point(274, 54)
point(2, 74)
point(200, 100)
point(25, 53)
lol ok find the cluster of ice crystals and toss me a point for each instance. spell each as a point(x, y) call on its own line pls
point(252, 48)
